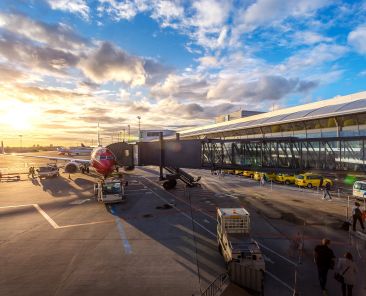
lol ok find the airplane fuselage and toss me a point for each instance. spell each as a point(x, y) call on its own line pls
point(103, 161)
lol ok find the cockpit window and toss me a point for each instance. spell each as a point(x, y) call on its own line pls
point(113, 188)
point(106, 157)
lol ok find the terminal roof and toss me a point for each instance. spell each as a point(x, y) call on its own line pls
point(337, 106)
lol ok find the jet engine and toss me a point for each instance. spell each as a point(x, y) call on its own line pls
point(71, 167)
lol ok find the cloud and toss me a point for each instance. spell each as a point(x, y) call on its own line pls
point(267, 12)
point(10, 74)
point(125, 9)
point(168, 13)
point(266, 88)
point(271, 13)
point(79, 7)
point(22, 52)
point(180, 87)
point(357, 39)
point(315, 56)
point(309, 38)
point(57, 111)
point(50, 94)
point(102, 119)
point(108, 63)
point(57, 36)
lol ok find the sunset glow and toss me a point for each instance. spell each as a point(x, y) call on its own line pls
point(67, 65)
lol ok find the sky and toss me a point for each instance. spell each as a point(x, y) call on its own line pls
point(66, 65)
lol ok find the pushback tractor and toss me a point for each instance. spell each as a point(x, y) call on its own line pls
point(110, 190)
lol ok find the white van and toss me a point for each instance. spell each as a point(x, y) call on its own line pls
point(359, 189)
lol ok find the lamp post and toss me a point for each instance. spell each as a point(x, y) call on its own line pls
point(129, 132)
point(139, 118)
point(124, 135)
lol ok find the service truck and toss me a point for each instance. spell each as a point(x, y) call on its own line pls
point(110, 190)
point(48, 171)
point(234, 241)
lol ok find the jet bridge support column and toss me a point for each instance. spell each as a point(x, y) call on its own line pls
point(161, 167)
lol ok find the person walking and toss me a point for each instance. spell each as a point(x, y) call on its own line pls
point(348, 270)
point(326, 191)
point(32, 172)
point(324, 260)
point(357, 216)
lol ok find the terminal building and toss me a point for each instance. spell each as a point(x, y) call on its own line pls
point(153, 135)
point(328, 134)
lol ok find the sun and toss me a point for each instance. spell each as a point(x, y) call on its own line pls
point(18, 116)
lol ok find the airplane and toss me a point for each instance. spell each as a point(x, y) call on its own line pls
point(101, 159)
point(80, 150)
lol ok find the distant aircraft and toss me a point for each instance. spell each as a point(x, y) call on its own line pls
point(101, 159)
point(79, 150)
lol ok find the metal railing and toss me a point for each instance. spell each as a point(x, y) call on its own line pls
point(218, 286)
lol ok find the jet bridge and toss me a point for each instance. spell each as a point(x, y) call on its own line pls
point(261, 154)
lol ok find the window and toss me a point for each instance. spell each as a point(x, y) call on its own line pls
point(359, 185)
point(153, 134)
point(112, 188)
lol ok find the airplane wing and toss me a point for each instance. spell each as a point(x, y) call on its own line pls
point(82, 161)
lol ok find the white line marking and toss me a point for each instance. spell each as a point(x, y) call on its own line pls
point(206, 221)
point(280, 281)
point(16, 206)
point(48, 218)
point(122, 234)
point(268, 259)
point(79, 202)
point(51, 221)
point(85, 224)
point(279, 255)
point(265, 247)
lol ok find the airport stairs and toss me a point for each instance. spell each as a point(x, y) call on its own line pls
point(177, 173)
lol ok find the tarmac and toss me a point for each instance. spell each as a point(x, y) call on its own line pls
point(56, 239)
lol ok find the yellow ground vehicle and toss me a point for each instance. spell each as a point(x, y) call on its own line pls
point(238, 172)
point(285, 179)
point(249, 174)
point(257, 176)
point(232, 172)
point(268, 176)
point(311, 180)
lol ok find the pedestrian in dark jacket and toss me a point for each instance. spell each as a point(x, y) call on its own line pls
point(324, 260)
point(357, 216)
point(326, 191)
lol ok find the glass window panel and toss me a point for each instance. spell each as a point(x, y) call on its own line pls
point(361, 118)
point(312, 124)
point(275, 128)
point(300, 125)
point(286, 127)
point(327, 122)
point(347, 120)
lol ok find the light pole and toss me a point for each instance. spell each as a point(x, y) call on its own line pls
point(129, 132)
point(124, 134)
point(139, 118)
